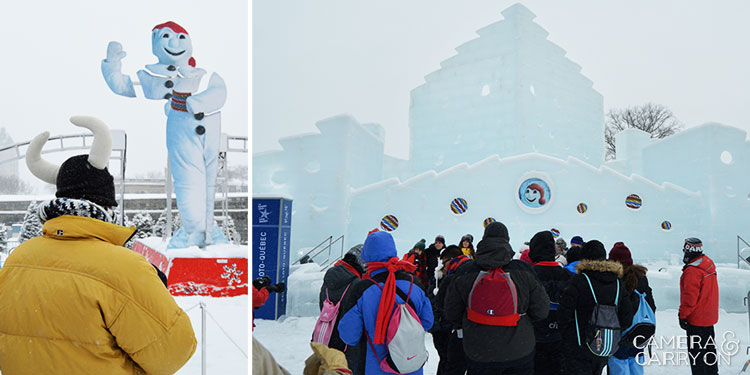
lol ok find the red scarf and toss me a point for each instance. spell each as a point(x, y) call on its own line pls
point(348, 267)
point(455, 262)
point(388, 296)
point(548, 264)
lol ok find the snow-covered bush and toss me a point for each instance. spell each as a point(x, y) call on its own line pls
point(32, 226)
point(144, 223)
point(161, 223)
point(230, 230)
point(4, 229)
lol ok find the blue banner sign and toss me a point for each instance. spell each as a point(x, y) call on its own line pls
point(271, 237)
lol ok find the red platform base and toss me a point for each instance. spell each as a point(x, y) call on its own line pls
point(215, 277)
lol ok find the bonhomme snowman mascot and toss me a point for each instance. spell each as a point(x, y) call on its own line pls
point(193, 125)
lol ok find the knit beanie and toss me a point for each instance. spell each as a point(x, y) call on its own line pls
point(420, 245)
point(440, 238)
point(469, 238)
point(78, 179)
point(692, 248)
point(621, 253)
point(593, 250)
point(495, 229)
point(576, 240)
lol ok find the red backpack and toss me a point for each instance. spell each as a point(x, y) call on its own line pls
point(493, 299)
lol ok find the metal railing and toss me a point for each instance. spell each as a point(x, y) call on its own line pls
point(204, 348)
point(58, 144)
point(747, 351)
point(326, 244)
point(739, 256)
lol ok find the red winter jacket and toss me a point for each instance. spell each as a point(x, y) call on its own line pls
point(699, 293)
point(259, 298)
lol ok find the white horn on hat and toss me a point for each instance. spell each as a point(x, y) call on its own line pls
point(101, 147)
point(39, 167)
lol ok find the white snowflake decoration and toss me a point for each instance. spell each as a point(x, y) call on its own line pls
point(232, 274)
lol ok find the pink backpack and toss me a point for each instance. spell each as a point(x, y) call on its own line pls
point(327, 319)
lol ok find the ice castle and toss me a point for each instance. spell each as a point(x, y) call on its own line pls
point(508, 129)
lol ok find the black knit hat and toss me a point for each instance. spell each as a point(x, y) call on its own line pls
point(593, 250)
point(692, 245)
point(692, 248)
point(78, 179)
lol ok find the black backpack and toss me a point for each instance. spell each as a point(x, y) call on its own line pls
point(603, 332)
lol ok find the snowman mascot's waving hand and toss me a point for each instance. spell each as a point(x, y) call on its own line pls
point(193, 125)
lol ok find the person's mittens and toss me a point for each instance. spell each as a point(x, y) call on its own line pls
point(278, 288)
point(684, 324)
point(262, 282)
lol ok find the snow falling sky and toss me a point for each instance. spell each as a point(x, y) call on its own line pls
point(313, 60)
point(51, 58)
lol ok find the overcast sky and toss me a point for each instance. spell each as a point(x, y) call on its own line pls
point(316, 59)
point(51, 58)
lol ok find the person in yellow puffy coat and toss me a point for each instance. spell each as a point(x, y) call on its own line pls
point(74, 301)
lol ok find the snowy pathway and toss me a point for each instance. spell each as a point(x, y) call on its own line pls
point(222, 356)
point(289, 339)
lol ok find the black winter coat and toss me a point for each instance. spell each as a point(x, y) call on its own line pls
point(577, 297)
point(335, 281)
point(442, 324)
point(486, 343)
point(554, 278)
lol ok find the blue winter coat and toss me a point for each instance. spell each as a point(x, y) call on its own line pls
point(379, 247)
point(572, 266)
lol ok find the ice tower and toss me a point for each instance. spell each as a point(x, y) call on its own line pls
point(510, 91)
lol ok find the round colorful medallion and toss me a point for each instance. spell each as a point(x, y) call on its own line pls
point(389, 223)
point(459, 206)
point(633, 201)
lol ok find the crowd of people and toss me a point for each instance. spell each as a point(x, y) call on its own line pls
point(549, 309)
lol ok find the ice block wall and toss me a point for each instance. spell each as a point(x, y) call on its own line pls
point(317, 171)
point(580, 199)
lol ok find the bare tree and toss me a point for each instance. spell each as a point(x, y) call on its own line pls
point(654, 119)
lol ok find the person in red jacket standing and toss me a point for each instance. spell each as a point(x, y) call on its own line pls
point(699, 306)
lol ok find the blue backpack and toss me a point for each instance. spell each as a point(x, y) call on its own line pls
point(644, 324)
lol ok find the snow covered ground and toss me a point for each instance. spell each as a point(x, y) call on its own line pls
point(222, 356)
point(294, 348)
point(305, 280)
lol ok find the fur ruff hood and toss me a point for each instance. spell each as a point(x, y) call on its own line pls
point(600, 266)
